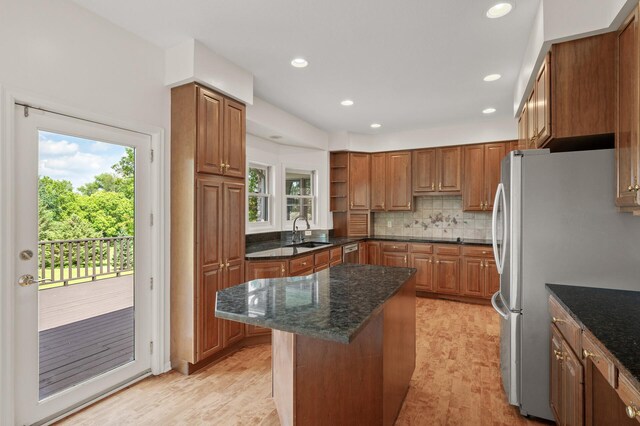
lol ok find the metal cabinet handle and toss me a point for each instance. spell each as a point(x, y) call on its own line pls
point(282, 270)
point(632, 411)
point(557, 320)
point(588, 354)
point(559, 355)
point(433, 186)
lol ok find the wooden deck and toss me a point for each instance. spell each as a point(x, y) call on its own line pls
point(75, 352)
point(65, 305)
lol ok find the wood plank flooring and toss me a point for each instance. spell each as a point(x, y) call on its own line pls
point(75, 352)
point(456, 382)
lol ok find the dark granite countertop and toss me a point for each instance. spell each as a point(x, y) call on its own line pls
point(275, 250)
point(612, 316)
point(334, 304)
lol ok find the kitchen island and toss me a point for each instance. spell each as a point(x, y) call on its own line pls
point(343, 346)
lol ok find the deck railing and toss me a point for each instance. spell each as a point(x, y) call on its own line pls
point(75, 261)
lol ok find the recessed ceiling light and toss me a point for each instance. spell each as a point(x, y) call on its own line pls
point(492, 77)
point(346, 102)
point(500, 9)
point(299, 62)
point(488, 110)
point(376, 125)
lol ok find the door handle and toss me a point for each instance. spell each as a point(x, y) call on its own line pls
point(28, 279)
point(494, 303)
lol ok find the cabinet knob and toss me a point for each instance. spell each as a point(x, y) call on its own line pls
point(630, 188)
point(222, 266)
point(437, 261)
point(588, 354)
point(632, 411)
point(556, 320)
point(409, 204)
point(352, 204)
point(433, 186)
point(227, 264)
point(485, 252)
point(282, 270)
point(636, 187)
point(559, 355)
point(481, 264)
point(440, 186)
point(405, 259)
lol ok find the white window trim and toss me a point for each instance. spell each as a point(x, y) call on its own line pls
point(270, 224)
point(287, 224)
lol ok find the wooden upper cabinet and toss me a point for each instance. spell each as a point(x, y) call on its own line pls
point(378, 181)
point(474, 183)
point(522, 128)
point(449, 169)
point(221, 133)
point(482, 166)
point(359, 181)
point(542, 127)
point(234, 151)
point(531, 121)
point(398, 192)
point(424, 171)
point(209, 131)
point(627, 118)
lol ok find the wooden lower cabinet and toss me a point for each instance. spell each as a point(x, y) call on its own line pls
point(373, 253)
point(473, 276)
point(263, 269)
point(233, 331)
point(566, 382)
point(447, 274)
point(399, 260)
point(424, 275)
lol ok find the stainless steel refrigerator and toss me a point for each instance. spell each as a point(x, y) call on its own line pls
point(554, 221)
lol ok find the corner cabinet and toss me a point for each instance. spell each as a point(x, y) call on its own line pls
point(350, 193)
point(207, 220)
point(627, 119)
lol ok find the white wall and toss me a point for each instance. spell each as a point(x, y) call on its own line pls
point(279, 157)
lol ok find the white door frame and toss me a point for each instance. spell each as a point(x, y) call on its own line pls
point(160, 361)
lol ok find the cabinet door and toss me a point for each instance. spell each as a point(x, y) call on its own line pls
point(363, 255)
point(571, 387)
point(555, 375)
point(532, 131)
point(234, 153)
point(233, 222)
point(447, 274)
point(493, 155)
point(522, 128)
point(209, 132)
point(492, 278)
point(209, 201)
point(449, 165)
point(399, 193)
point(256, 270)
point(424, 171)
point(378, 181)
point(543, 99)
point(424, 275)
point(373, 253)
point(233, 275)
point(627, 142)
point(210, 331)
point(473, 276)
point(359, 171)
point(394, 259)
point(473, 196)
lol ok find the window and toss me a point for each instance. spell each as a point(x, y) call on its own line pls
point(299, 189)
point(258, 194)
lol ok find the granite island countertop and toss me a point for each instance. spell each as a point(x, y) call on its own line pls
point(334, 304)
point(612, 316)
point(276, 250)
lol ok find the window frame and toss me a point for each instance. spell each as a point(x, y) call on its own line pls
point(269, 195)
point(313, 197)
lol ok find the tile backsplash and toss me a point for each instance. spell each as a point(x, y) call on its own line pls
point(434, 216)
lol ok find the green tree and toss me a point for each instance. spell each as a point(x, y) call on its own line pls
point(110, 213)
point(125, 169)
point(108, 182)
point(56, 196)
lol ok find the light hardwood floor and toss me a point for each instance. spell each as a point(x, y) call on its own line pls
point(456, 382)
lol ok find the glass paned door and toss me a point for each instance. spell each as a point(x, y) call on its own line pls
point(82, 222)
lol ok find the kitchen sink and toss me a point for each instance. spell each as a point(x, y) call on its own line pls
point(309, 244)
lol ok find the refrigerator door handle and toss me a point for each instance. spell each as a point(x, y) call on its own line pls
point(494, 303)
point(500, 197)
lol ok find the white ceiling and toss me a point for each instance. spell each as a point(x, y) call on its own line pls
point(406, 63)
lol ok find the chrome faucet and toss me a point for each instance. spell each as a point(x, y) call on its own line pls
point(295, 234)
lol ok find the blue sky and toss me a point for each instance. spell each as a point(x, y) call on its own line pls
point(78, 160)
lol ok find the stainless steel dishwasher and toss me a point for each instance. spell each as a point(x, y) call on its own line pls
point(350, 253)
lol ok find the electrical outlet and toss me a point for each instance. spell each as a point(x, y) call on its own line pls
point(389, 224)
point(307, 233)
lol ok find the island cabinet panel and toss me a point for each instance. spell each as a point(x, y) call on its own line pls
point(399, 195)
point(359, 181)
point(378, 181)
point(424, 171)
point(572, 381)
point(628, 113)
point(555, 371)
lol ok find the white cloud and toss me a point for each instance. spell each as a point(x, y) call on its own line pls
point(49, 147)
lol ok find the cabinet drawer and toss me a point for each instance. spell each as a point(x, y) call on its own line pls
point(421, 248)
point(336, 262)
point(477, 251)
point(448, 250)
point(400, 247)
point(322, 259)
point(300, 264)
point(601, 361)
point(321, 268)
point(335, 254)
point(568, 327)
point(630, 396)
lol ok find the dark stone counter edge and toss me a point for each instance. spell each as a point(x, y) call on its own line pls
point(350, 240)
point(620, 366)
point(333, 337)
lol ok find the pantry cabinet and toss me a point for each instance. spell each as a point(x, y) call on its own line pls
point(627, 114)
point(481, 175)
